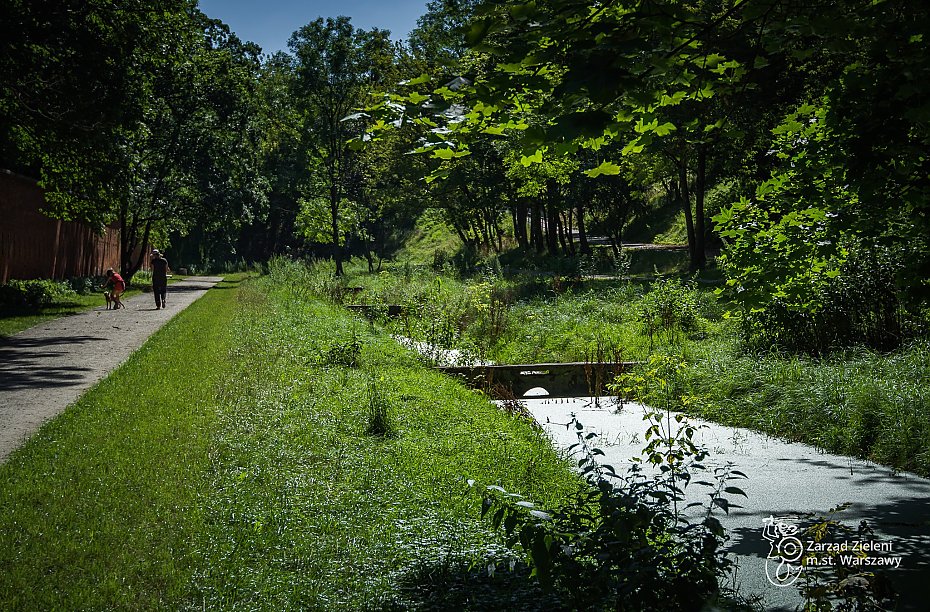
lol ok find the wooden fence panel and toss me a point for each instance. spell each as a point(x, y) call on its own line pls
point(35, 246)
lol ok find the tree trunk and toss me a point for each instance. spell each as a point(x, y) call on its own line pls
point(381, 241)
point(462, 236)
point(126, 236)
point(128, 245)
point(552, 219)
point(536, 233)
point(564, 238)
point(368, 248)
point(584, 247)
point(685, 195)
point(552, 229)
point(699, 256)
point(519, 224)
point(334, 212)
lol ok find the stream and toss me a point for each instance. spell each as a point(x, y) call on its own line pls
point(788, 486)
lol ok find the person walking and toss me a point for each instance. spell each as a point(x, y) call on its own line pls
point(159, 278)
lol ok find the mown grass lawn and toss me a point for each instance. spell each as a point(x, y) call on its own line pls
point(13, 320)
point(230, 463)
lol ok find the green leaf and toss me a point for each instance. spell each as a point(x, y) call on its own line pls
point(416, 98)
point(606, 167)
point(423, 78)
point(672, 100)
point(448, 153)
point(478, 31)
point(665, 128)
point(735, 491)
point(535, 158)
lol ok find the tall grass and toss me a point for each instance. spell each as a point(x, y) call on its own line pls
point(855, 402)
point(324, 513)
point(859, 403)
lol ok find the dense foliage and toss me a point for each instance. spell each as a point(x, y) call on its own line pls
point(140, 114)
point(791, 140)
point(792, 136)
point(34, 294)
point(784, 108)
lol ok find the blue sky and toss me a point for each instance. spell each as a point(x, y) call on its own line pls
point(271, 22)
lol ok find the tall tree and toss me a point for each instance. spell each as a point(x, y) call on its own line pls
point(134, 112)
point(72, 78)
point(336, 66)
point(847, 203)
point(279, 124)
point(192, 159)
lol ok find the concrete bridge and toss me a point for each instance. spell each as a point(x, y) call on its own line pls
point(574, 379)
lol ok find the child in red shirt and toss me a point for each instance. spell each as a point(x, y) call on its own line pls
point(117, 285)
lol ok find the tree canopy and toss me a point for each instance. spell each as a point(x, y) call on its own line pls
point(794, 137)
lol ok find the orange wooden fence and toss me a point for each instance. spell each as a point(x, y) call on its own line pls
point(35, 246)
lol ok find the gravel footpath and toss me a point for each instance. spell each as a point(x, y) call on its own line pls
point(46, 368)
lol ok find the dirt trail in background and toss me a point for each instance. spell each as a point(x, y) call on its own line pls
point(46, 368)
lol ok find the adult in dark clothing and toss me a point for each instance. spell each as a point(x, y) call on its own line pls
point(159, 278)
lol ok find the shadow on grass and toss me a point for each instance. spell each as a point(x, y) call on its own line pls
point(456, 586)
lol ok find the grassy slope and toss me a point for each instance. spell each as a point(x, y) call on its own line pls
point(663, 223)
point(858, 403)
point(227, 464)
point(430, 235)
point(327, 513)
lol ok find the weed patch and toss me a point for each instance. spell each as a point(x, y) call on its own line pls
point(380, 422)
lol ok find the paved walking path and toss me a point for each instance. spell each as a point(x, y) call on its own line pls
point(787, 481)
point(48, 367)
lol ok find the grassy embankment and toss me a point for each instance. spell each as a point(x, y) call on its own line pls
point(242, 458)
point(858, 402)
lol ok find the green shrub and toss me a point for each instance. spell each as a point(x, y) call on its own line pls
point(623, 542)
point(627, 542)
point(84, 285)
point(862, 305)
point(34, 294)
point(669, 307)
point(142, 280)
